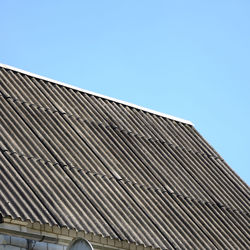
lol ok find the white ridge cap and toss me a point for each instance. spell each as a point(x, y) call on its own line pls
point(96, 94)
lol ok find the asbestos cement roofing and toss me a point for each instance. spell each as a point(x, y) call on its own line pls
point(73, 158)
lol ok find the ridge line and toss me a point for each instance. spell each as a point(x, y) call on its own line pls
point(96, 94)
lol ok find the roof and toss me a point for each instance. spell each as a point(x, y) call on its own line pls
point(95, 94)
point(73, 158)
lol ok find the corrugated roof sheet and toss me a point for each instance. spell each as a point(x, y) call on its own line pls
point(75, 159)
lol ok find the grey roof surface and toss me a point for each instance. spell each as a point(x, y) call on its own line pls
point(75, 159)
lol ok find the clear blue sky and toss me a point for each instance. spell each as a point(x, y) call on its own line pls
point(190, 59)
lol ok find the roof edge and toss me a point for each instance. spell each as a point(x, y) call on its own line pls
point(96, 94)
point(59, 234)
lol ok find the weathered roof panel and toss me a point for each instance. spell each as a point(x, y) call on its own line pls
point(76, 159)
point(92, 93)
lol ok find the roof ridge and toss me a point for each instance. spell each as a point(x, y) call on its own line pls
point(126, 181)
point(96, 94)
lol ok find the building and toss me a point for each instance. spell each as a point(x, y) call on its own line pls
point(75, 164)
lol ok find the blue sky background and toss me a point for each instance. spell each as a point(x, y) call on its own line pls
point(190, 59)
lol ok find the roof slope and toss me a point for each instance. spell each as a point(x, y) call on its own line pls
point(72, 158)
